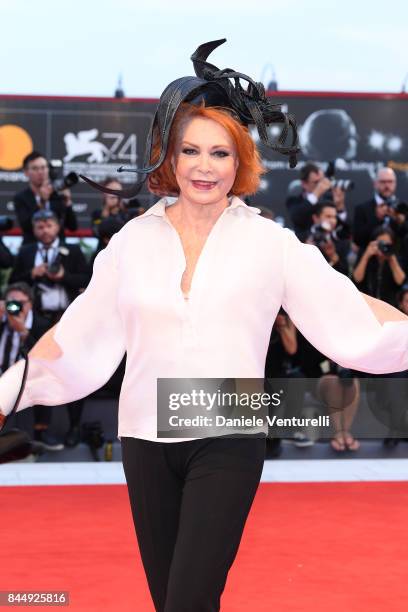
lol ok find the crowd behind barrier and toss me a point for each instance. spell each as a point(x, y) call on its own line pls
point(370, 247)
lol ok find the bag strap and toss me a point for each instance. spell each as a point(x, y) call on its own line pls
point(24, 354)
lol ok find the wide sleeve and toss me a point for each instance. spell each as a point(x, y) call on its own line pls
point(81, 352)
point(333, 315)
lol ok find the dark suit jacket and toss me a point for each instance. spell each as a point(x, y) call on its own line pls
point(300, 212)
point(6, 258)
point(365, 222)
point(25, 206)
point(76, 269)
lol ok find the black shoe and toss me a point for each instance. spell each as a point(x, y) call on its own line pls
point(73, 436)
point(45, 440)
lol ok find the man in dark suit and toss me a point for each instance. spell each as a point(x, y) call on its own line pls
point(40, 195)
point(58, 272)
point(379, 211)
point(21, 326)
point(27, 324)
point(301, 207)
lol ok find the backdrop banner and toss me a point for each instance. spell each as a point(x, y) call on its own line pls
point(94, 137)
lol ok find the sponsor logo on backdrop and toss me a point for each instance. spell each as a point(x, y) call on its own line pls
point(15, 144)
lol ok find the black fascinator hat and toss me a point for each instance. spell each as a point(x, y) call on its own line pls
point(220, 88)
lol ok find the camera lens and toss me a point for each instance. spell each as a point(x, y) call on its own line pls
point(14, 307)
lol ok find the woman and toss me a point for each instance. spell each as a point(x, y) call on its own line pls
point(112, 205)
point(202, 305)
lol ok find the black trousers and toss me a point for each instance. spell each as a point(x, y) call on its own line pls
point(190, 501)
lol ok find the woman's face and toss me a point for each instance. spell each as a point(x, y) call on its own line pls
point(205, 162)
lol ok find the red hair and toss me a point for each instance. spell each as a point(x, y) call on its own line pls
point(163, 181)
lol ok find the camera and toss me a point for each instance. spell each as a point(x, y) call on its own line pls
point(402, 208)
point(6, 223)
point(343, 184)
point(385, 247)
point(54, 267)
point(14, 307)
point(58, 180)
point(320, 234)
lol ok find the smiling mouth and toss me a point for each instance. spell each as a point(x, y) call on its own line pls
point(204, 185)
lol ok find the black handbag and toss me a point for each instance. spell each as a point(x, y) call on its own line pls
point(15, 444)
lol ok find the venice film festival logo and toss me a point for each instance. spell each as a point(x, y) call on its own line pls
point(96, 154)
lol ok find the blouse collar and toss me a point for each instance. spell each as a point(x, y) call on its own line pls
point(158, 209)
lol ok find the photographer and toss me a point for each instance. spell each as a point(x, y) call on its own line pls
point(382, 210)
point(315, 186)
point(330, 236)
point(378, 272)
point(300, 207)
point(58, 272)
point(112, 205)
point(41, 195)
point(21, 326)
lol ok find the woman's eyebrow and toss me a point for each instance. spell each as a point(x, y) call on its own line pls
point(218, 146)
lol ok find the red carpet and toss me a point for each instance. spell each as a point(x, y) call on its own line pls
point(307, 547)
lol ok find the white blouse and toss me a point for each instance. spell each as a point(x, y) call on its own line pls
point(248, 267)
